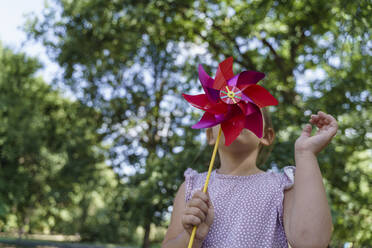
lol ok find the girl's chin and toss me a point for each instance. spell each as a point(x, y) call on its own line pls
point(247, 138)
point(242, 143)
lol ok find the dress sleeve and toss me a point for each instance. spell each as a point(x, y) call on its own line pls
point(190, 175)
point(287, 178)
point(286, 182)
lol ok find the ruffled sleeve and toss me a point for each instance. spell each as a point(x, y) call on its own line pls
point(286, 181)
point(190, 175)
point(287, 178)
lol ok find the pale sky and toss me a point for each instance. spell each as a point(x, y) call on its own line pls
point(12, 18)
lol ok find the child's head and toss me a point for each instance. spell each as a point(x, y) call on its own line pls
point(247, 142)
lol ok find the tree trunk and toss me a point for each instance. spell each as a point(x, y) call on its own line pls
point(146, 236)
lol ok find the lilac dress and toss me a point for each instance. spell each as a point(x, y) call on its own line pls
point(248, 210)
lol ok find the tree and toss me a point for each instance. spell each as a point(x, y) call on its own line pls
point(133, 59)
point(51, 156)
point(142, 119)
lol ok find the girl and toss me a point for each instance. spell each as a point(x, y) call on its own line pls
point(247, 207)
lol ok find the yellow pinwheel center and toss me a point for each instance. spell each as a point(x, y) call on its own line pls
point(230, 94)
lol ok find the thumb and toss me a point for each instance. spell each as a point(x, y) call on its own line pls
point(306, 131)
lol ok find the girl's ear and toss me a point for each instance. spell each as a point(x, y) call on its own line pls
point(268, 138)
point(210, 137)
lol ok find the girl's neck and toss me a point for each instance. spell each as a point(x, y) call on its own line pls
point(239, 164)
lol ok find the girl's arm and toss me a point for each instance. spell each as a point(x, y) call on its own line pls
point(176, 236)
point(307, 216)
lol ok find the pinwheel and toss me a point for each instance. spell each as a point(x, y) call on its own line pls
point(234, 102)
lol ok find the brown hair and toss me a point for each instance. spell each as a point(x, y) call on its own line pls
point(264, 151)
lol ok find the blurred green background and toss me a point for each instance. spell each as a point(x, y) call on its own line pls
point(98, 152)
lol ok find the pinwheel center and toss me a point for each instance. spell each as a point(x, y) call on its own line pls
point(230, 94)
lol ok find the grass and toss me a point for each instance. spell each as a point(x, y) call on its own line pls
point(27, 242)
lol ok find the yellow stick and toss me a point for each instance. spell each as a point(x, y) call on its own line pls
point(206, 182)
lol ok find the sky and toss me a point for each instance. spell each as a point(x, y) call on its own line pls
point(12, 18)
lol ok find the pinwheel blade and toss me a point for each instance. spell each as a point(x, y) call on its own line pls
point(207, 120)
point(198, 101)
point(249, 77)
point(224, 73)
point(260, 96)
point(204, 78)
point(232, 128)
point(254, 123)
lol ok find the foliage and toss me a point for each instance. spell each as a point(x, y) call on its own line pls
point(132, 59)
point(53, 176)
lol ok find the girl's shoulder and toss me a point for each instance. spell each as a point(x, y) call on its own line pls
point(284, 176)
point(192, 175)
point(193, 182)
point(189, 172)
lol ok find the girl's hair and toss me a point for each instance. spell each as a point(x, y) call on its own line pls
point(264, 151)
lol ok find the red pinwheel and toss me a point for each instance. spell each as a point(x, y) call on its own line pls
point(234, 101)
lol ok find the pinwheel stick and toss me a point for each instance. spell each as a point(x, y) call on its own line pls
point(206, 182)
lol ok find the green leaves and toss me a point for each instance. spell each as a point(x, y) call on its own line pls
point(131, 60)
point(51, 155)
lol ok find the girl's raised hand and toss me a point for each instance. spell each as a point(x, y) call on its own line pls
point(327, 128)
point(199, 212)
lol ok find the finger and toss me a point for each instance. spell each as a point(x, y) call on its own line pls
point(209, 199)
point(200, 194)
point(191, 220)
point(321, 113)
point(321, 120)
point(210, 216)
point(317, 122)
point(187, 226)
point(306, 131)
point(314, 117)
point(332, 120)
point(197, 202)
point(313, 121)
point(196, 212)
point(333, 124)
point(325, 118)
point(326, 121)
